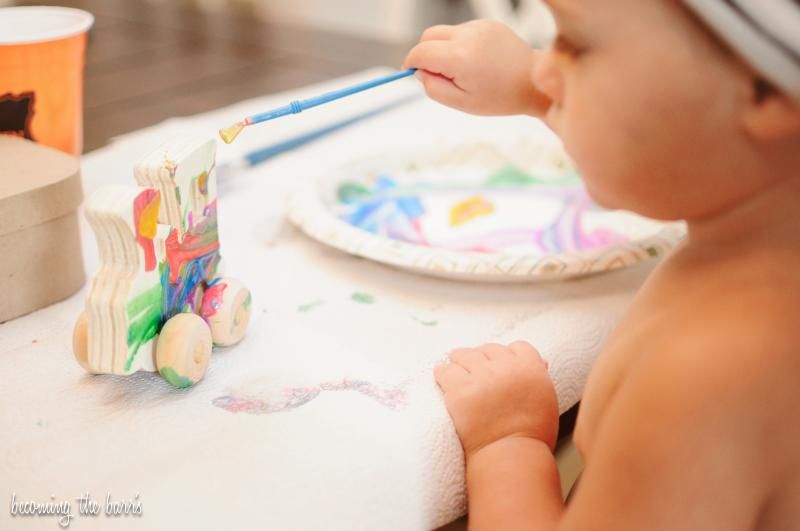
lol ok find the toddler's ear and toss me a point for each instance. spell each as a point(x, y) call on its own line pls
point(772, 115)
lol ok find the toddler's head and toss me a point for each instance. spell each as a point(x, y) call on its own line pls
point(676, 109)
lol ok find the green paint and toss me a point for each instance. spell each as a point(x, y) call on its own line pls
point(184, 216)
point(513, 176)
point(169, 374)
point(363, 298)
point(510, 176)
point(304, 308)
point(247, 301)
point(349, 192)
point(426, 323)
point(245, 304)
point(144, 319)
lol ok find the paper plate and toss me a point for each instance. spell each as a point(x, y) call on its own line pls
point(512, 212)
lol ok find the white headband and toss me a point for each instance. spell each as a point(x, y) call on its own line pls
point(766, 33)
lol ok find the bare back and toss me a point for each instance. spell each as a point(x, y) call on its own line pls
point(724, 330)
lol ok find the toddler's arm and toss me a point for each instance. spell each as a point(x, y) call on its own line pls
point(681, 446)
point(504, 408)
point(480, 67)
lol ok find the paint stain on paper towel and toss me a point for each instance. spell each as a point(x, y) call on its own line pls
point(294, 397)
point(363, 298)
point(291, 398)
point(305, 308)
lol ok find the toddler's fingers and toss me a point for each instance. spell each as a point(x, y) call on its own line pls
point(443, 90)
point(495, 351)
point(525, 350)
point(436, 33)
point(449, 375)
point(437, 57)
point(471, 359)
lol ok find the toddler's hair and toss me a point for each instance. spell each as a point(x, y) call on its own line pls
point(766, 33)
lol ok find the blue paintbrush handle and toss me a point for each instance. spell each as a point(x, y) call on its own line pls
point(299, 106)
point(260, 155)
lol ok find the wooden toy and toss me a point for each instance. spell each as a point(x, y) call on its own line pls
point(40, 190)
point(159, 299)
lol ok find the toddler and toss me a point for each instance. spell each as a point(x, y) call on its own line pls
point(690, 419)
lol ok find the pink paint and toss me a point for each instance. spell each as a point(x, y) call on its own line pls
point(293, 397)
point(212, 300)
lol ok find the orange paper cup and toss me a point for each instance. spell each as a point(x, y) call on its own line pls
point(41, 74)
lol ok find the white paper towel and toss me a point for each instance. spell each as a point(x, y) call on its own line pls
point(327, 415)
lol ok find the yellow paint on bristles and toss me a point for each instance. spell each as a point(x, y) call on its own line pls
point(229, 134)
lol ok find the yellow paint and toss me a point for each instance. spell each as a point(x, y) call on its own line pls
point(229, 134)
point(202, 182)
point(469, 210)
point(148, 219)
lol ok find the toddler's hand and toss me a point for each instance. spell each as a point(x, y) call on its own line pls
point(494, 392)
point(480, 67)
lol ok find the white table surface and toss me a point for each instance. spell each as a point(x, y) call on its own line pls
point(386, 457)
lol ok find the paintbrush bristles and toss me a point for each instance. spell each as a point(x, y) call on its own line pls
point(229, 134)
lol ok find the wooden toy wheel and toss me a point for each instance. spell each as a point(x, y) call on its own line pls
point(183, 350)
point(226, 308)
point(80, 341)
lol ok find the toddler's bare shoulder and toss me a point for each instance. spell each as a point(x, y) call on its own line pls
point(744, 344)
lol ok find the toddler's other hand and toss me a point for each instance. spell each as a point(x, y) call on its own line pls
point(494, 392)
point(480, 67)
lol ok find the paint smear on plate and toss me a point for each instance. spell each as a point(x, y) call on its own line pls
point(470, 209)
point(494, 216)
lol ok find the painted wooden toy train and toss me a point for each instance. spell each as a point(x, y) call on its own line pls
point(159, 300)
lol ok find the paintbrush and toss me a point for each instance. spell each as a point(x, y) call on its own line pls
point(262, 154)
point(229, 134)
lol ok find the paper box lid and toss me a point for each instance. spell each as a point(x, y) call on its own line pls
point(37, 184)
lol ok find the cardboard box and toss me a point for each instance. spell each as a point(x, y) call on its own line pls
point(40, 251)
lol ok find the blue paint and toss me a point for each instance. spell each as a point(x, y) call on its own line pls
point(179, 297)
point(373, 211)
